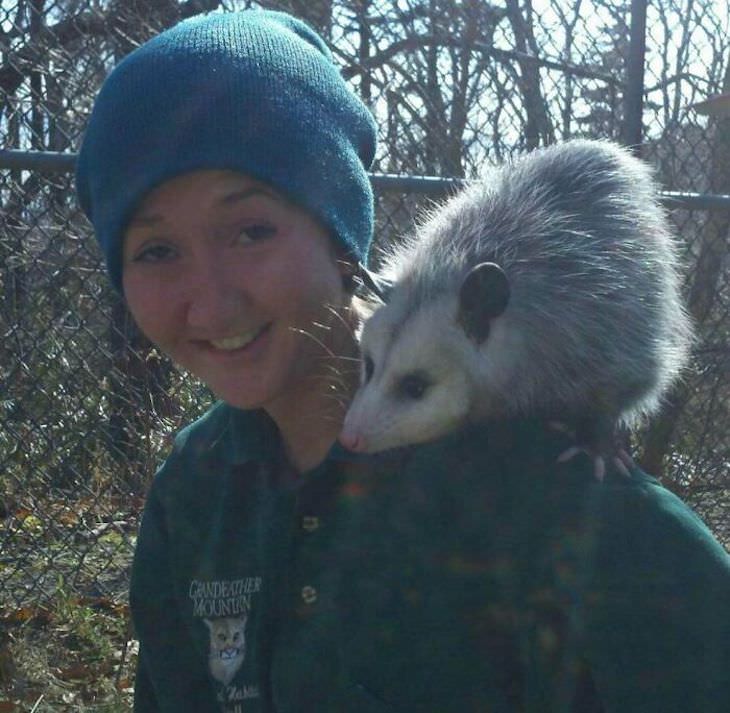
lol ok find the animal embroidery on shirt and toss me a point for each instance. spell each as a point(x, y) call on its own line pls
point(227, 646)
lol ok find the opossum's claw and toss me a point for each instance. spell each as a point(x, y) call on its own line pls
point(561, 427)
point(599, 462)
point(624, 463)
point(599, 468)
point(571, 452)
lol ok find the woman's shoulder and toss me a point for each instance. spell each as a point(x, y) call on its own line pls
point(644, 526)
point(222, 436)
point(519, 465)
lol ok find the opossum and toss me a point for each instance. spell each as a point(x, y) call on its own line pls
point(550, 289)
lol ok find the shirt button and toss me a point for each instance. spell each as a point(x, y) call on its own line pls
point(310, 523)
point(309, 595)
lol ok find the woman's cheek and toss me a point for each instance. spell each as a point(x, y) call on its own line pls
point(149, 306)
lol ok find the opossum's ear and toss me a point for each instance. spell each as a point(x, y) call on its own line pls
point(484, 295)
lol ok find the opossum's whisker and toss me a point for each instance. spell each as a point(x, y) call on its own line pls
point(354, 361)
point(336, 369)
point(334, 381)
point(332, 418)
point(337, 313)
point(340, 405)
point(340, 384)
point(337, 374)
point(316, 340)
point(336, 396)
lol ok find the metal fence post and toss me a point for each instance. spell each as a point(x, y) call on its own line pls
point(631, 129)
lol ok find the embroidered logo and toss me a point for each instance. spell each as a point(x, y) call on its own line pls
point(219, 598)
point(227, 646)
point(225, 608)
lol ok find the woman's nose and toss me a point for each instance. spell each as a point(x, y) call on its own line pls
point(213, 298)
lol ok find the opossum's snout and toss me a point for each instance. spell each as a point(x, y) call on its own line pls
point(379, 420)
point(353, 441)
point(357, 442)
point(355, 431)
point(353, 434)
point(416, 383)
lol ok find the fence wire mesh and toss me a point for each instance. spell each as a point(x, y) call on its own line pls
point(88, 407)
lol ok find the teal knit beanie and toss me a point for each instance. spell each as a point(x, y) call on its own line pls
point(254, 91)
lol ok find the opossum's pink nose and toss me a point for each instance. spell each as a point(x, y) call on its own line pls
point(352, 441)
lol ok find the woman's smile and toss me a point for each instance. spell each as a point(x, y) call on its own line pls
point(244, 344)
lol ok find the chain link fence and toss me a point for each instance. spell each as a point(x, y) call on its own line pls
point(88, 407)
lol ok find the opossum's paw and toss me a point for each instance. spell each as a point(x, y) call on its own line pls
point(599, 462)
point(600, 453)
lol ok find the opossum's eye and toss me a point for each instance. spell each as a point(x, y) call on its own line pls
point(413, 386)
point(369, 368)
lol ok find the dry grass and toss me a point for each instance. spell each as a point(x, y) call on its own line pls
point(65, 640)
point(77, 656)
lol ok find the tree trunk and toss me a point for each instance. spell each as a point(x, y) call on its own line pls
point(538, 128)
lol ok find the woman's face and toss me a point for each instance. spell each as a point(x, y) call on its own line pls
point(233, 282)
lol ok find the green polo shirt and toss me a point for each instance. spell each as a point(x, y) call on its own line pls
point(472, 574)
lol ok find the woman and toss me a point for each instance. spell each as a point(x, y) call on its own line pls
point(224, 171)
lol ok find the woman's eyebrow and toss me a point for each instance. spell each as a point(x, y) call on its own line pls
point(143, 221)
point(246, 193)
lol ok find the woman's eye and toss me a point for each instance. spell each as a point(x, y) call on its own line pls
point(154, 253)
point(258, 231)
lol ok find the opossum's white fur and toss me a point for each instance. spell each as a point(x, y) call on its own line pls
point(594, 325)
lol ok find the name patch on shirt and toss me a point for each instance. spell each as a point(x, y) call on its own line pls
point(218, 598)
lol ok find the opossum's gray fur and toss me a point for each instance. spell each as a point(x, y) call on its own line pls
point(595, 322)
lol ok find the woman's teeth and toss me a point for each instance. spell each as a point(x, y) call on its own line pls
point(237, 342)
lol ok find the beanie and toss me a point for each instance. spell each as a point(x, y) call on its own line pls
point(254, 91)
